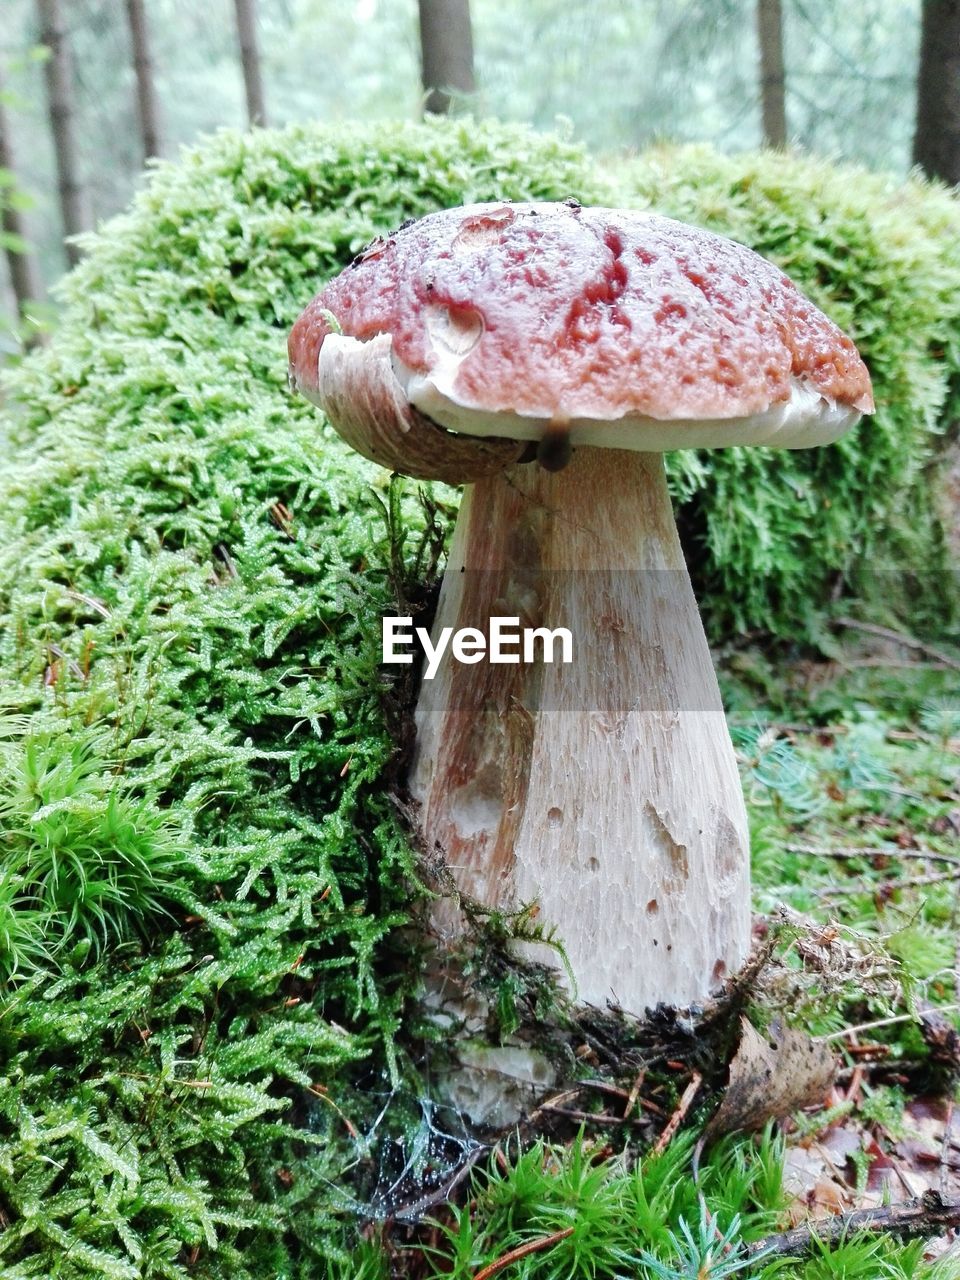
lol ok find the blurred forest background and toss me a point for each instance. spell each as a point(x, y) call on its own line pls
point(90, 88)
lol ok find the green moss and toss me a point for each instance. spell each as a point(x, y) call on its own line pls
point(772, 534)
point(192, 570)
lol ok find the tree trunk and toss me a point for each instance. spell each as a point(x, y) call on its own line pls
point(60, 104)
point(24, 272)
point(772, 77)
point(446, 41)
point(936, 142)
point(250, 58)
point(148, 105)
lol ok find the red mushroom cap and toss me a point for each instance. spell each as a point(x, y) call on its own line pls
point(557, 312)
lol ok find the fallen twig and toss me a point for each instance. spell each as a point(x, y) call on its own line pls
point(791, 726)
point(915, 735)
point(589, 1117)
point(927, 1215)
point(838, 730)
point(647, 1104)
point(549, 1104)
point(637, 1086)
point(908, 642)
point(415, 1210)
point(872, 851)
point(673, 1124)
point(894, 664)
point(522, 1251)
point(945, 1150)
point(862, 1051)
point(90, 601)
point(888, 886)
point(880, 1022)
point(555, 1106)
point(604, 1086)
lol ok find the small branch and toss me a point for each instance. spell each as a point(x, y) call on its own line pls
point(838, 730)
point(590, 1117)
point(893, 664)
point(673, 1124)
point(915, 735)
point(638, 1085)
point(886, 633)
point(555, 1106)
point(791, 726)
point(886, 851)
point(647, 1104)
point(522, 1251)
point(414, 1211)
point(551, 1104)
point(928, 1215)
point(879, 1022)
point(603, 1086)
point(945, 1151)
point(888, 886)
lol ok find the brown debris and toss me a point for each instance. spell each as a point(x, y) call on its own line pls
point(927, 1215)
point(772, 1076)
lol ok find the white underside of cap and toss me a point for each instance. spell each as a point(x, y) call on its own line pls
point(803, 421)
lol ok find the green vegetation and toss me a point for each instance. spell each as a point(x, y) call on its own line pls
point(875, 772)
point(622, 1219)
point(569, 1214)
point(85, 864)
point(878, 773)
point(203, 878)
point(771, 532)
point(191, 576)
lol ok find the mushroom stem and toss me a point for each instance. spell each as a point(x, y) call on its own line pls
point(605, 789)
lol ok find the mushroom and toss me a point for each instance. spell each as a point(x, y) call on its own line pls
point(547, 355)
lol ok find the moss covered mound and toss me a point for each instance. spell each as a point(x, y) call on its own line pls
point(191, 575)
point(771, 535)
point(243, 231)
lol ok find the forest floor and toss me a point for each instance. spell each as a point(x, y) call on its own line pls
point(852, 774)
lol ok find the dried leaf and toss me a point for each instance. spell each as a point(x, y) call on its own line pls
point(771, 1076)
point(803, 1168)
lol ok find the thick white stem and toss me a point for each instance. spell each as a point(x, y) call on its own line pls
point(605, 790)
